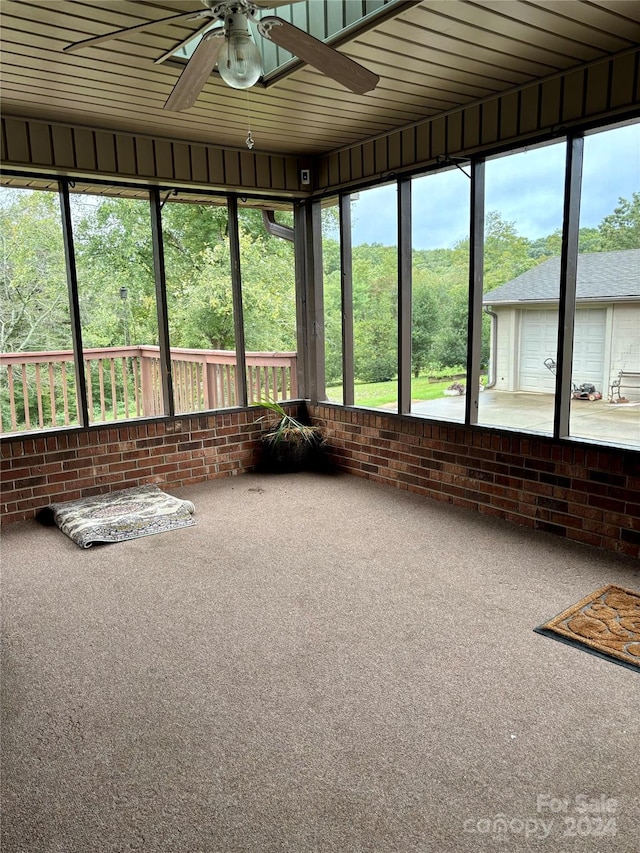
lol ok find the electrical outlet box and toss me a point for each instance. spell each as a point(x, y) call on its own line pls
point(305, 176)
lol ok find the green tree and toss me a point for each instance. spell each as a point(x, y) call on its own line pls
point(113, 247)
point(424, 322)
point(506, 253)
point(268, 291)
point(621, 229)
point(375, 312)
point(34, 312)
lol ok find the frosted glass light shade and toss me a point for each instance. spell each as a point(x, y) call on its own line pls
point(239, 60)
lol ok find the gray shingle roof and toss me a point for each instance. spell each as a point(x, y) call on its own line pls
point(601, 275)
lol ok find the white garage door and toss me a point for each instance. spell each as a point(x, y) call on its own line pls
point(588, 347)
point(539, 341)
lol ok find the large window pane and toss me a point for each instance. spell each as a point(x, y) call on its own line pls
point(440, 219)
point(375, 297)
point(37, 374)
point(199, 305)
point(523, 228)
point(267, 265)
point(116, 291)
point(606, 348)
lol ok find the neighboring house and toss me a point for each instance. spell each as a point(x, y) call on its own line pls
point(524, 328)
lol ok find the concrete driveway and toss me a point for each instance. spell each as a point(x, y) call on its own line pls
point(598, 419)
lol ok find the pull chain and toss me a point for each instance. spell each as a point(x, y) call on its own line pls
point(249, 140)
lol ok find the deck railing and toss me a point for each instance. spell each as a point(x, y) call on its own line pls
point(38, 389)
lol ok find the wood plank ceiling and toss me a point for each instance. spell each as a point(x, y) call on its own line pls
point(432, 57)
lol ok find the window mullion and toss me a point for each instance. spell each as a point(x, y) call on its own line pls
point(159, 275)
point(568, 285)
point(238, 316)
point(476, 281)
point(74, 303)
point(346, 270)
point(404, 296)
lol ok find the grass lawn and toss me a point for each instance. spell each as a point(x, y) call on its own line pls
point(376, 394)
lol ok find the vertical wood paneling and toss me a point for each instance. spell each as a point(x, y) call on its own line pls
point(164, 159)
point(85, 148)
point(355, 161)
point(199, 171)
point(63, 149)
point(454, 133)
point(277, 173)
point(323, 173)
point(263, 173)
point(106, 152)
point(40, 143)
point(489, 122)
point(408, 146)
point(573, 95)
point(3, 141)
point(471, 127)
point(333, 162)
point(231, 168)
point(344, 166)
point(529, 102)
point(248, 169)
point(381, 155)
point(182, 161)
point(423, 141)
point(368, 159)
point(550, 102)
point(292, 174)
point(438, 137)
point(17, 140)
point(622, 80)
point(145, 157)
point(216, 165)
point(37, 143)
point(509, 116)
point(597, 88)
point(395, 150)
point(125, 155)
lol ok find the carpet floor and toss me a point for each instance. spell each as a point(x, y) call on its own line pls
point(320, 665)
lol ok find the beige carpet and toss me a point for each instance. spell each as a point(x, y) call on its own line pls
point(606, 622)
point(320, 665)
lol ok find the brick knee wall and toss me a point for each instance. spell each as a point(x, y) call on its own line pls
point(588, 494)
point(61, 466)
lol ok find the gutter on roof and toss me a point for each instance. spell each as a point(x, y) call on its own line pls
point(275, 229)
point(591, 300)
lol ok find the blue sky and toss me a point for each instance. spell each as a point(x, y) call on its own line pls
point(526, 189)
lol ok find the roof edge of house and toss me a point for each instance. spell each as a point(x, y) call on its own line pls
point(593, 300)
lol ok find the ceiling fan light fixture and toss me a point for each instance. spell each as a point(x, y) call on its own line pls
point(239, 60)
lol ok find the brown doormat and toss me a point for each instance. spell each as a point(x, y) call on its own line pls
point(605, 623)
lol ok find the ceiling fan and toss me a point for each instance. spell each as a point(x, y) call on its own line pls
point(239, 61)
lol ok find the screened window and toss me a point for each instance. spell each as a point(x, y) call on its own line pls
point(37, 373)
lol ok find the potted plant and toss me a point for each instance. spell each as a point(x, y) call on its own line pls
point(289, 445)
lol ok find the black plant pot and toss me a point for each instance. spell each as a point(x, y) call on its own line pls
point(289, 455)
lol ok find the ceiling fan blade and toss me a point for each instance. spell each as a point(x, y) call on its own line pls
point(273, 4)
point(71, 48)
point(336, 65)
point(194, 76)
point(203, 29)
